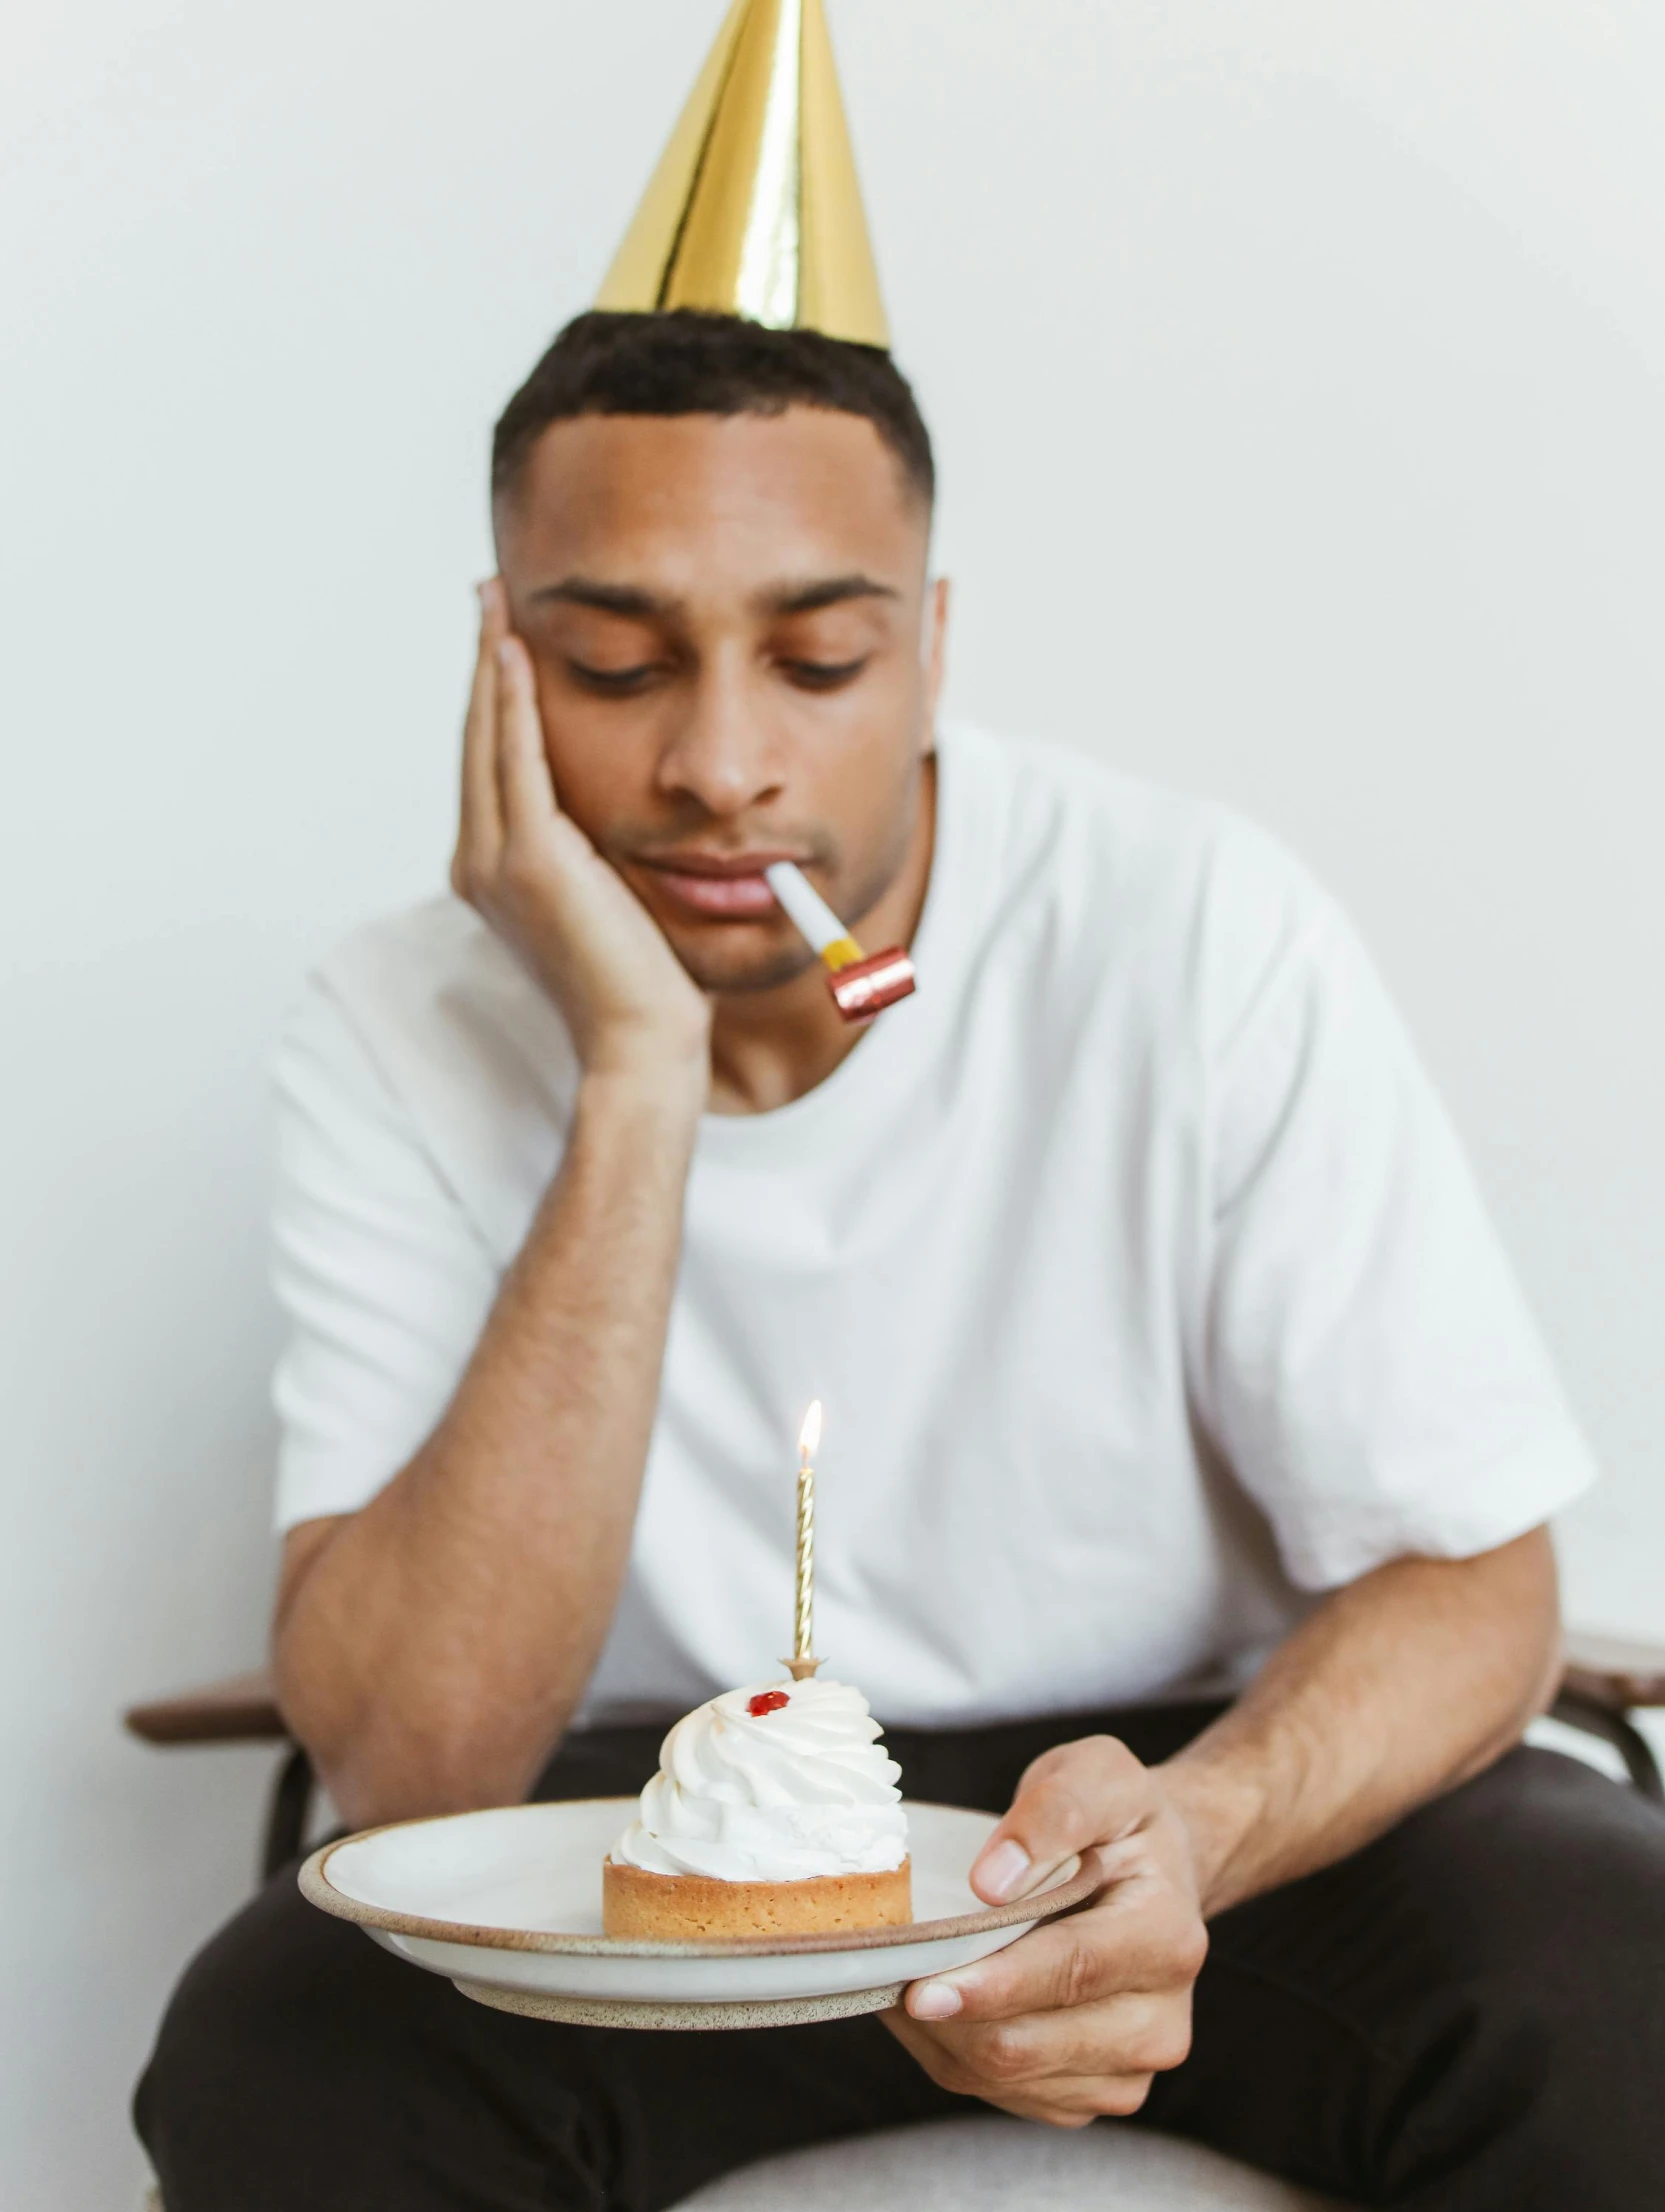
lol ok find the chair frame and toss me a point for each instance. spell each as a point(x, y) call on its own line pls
point(1605, 1680)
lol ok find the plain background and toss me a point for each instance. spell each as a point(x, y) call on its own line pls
point(1297, 375)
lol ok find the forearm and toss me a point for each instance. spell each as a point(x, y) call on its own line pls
point(431, 1648)
point(1393, 1690)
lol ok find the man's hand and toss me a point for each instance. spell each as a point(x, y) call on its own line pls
point(432, 1646)
point(1073, 2020)
point(530, 871)
point(1394, 1688)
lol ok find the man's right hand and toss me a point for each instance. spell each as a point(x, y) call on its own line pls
point(532, 874)
point(431, 1646)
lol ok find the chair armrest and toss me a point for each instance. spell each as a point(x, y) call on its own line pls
point(241, 1710)
point(1618, 1672)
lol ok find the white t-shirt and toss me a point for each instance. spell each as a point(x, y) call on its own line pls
point(1134, 1259)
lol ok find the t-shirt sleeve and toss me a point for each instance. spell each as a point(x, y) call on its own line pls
point(383, 1279)
point(1371, 1370)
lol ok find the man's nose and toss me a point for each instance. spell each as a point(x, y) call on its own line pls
point(723, 751)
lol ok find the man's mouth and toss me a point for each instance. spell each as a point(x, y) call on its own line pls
point(719, 886)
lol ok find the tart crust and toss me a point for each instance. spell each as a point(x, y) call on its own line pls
point(689, 1908)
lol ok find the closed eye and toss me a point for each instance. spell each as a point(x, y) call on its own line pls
point(612, 682)
point(825, 675)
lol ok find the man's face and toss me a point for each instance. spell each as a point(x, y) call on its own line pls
point(737, 659)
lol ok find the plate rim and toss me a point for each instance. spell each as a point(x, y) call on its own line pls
point(1076, 1882)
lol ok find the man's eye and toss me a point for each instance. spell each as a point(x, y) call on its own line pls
point(825, 675)
point(612, 680)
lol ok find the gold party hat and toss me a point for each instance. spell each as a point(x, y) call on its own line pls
point(754, 209)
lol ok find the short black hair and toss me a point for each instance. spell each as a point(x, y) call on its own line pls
point(685, 362)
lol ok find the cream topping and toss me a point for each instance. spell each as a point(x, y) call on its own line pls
point(773, 1796)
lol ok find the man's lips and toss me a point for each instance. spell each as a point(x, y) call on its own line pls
point(721, 887)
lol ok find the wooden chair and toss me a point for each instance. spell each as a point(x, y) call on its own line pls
point(1607, 1679)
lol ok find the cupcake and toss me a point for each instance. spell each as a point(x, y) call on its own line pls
point(775, 1812)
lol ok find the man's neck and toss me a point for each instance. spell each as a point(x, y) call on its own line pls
point(770, 1047)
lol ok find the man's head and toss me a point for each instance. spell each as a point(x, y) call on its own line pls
point(714, 539)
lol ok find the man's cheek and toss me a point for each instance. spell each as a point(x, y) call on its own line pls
point(593, 788)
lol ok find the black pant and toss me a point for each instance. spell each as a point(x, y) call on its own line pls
point(1467, 2016)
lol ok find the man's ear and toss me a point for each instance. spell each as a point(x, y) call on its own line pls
point(933, 647)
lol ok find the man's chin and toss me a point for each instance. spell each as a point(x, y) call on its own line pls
point(734, 970)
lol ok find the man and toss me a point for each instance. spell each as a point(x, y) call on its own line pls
point(1159, 1327)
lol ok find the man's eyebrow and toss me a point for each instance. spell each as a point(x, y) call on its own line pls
point(589, 591)
point(829, 591)
point(631, 600)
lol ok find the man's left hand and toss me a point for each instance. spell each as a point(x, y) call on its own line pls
point(1073, 2020)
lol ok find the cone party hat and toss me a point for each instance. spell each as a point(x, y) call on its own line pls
point(754, 209)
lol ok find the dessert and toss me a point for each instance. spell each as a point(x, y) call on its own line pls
point(775, 1812)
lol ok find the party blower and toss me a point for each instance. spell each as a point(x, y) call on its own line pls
point(862, 984)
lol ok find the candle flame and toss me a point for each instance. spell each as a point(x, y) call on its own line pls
point(809, 1436)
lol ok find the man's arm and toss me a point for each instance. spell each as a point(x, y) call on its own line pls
point(1396, 1688)
point(430, 1648)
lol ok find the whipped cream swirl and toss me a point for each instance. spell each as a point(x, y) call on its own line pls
point(800, 1789)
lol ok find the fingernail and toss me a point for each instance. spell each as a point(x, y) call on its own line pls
point(481, 589)
point(1003, 1872)
point(935, 2001)
point(505, 653)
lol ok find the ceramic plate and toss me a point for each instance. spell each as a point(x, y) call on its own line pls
point(508, 1905)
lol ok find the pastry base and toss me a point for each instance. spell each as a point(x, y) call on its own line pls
point(693, 1908)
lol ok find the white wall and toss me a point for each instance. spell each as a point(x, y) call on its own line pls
point(1297, 376)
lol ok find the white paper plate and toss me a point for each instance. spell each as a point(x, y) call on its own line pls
point(508, 1905)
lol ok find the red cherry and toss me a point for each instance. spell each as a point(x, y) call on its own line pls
point(767, 1701)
